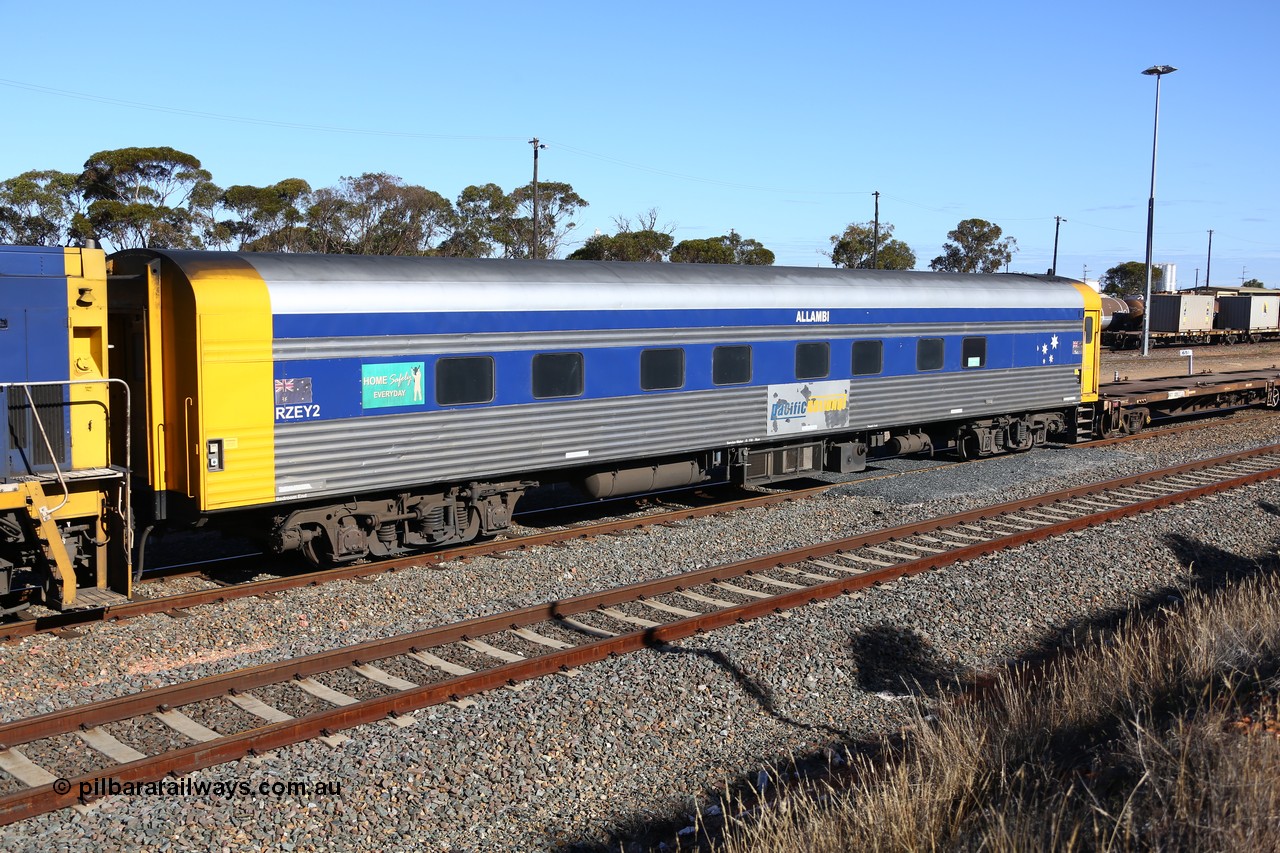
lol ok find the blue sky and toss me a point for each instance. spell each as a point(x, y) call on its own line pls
point(777, 120)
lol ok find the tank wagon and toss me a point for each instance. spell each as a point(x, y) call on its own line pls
point(354, 407)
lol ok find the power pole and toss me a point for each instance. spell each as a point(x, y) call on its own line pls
point(1057, 223)
point(1209, 261)
point(875, 235)
point(536, 146)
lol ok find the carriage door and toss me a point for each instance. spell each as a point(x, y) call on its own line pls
point(135, 299)
point(1091, 358)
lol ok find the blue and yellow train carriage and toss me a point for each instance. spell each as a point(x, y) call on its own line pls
point(390, 403)
point(353, 406)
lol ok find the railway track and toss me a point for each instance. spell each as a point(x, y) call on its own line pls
point(449, 663)
point(175, 605)
point(66, 624)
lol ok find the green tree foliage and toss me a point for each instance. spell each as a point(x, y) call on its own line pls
point(975, 246)
point(711, 250)
point(646, 243)
point(37, 208)
point(748, 251)
point(377, 214)
point(557, 204)
point(648, 246)
point(1253, 282)
point(161, 197)
point(730, 248)
point(1130, 279)
point(485, 219)
point(146, 197)
point(270, 219)
point(852, 249)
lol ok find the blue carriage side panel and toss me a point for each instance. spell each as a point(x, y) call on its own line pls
point(357, 341)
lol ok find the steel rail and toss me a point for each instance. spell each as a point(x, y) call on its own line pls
point(49, 797)
point(13, 631)
point(67, 622)
point(110, 710)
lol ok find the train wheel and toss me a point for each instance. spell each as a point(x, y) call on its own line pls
point(318, 551)
point(472, 532)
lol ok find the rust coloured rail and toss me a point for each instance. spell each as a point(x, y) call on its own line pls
point(61, 622)
point(46, 798)
point(12, 631)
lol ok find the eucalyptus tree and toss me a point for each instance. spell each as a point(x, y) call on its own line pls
point(37, 208)
point(644, 246)
point(731, 248)
point(271, 218)
point(1130, 279)
point(975, 245)
point(146, 197)
point(853, 248)
point(557, 204)
point(377, 214)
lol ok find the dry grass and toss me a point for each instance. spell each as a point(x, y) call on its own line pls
point(1160, 735)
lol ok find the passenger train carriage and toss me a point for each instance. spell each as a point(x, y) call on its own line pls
point(353, 407)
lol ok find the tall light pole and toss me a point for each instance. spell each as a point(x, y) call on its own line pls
point(537, 146)
point(1157, 70)
point(1208, 264)
point(1057, 223)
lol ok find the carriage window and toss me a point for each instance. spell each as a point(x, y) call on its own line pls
point(1088, 330)
point(464, 380)
point(813, 360)
point(661, 369)
point(731, 365)
point(973, 352)
point(557, 374)
point(868, 358)
point(929, 354)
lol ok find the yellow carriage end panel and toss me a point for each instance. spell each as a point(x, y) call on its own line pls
point(86, 271)
point(234, 426)
point(1091, 359)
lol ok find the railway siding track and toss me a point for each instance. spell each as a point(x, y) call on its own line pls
point(175, 605)
point(65, 624)
point(568, 633)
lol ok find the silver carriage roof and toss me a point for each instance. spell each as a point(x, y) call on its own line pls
point(339, 284)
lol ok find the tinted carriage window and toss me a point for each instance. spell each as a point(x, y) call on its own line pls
point(813, 360)
point(973, 352)
point(661, 369)
point(557, 374)
point(1088, 330)
point(464, 380)
point(731, 365)
point(868, 358)
point(929, 354)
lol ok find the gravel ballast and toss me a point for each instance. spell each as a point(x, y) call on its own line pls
point(644, 739)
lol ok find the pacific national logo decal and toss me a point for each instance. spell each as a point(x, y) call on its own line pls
point(806, 406)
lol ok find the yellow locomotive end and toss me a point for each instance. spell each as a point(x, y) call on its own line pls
point(61, 487)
